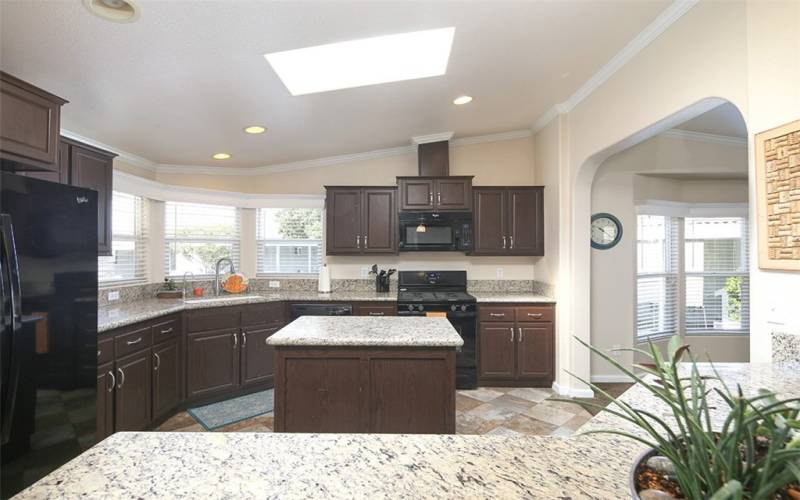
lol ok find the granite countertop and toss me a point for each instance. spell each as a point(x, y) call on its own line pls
point(251, 465)
point(117, 315)
point(388, 331)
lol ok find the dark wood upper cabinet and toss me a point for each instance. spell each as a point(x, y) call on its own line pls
point(435, 193)
point(379, 220)
point(361, 220)
point(166, 377)
point(509, 221)
point(93, 168)
point(490, 221)
point(526, 221)
point(134, 392)
point(30, 121)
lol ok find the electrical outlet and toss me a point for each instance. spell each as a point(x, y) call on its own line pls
point(112, 296)
point(499, 273)
point(274, 284)
point(364, 272)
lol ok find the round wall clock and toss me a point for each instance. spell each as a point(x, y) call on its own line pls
point(606, 231)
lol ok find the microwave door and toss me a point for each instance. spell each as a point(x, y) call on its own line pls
point(434, 237)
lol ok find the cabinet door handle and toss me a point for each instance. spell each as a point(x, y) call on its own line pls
point(520, 334)
point(113, 381)
point(511, 240)
point(158, 361)
point(98, 353)
point(535, 315)
point(512, 334)
point(497, 315)
point(438, 198)
point(504, 242)
point(133, 342)
point(430, 198)
point(168, 330)
point(121, 378)
point(358, 241)
point(235, 340)
point(376, 314)
point(244, 340)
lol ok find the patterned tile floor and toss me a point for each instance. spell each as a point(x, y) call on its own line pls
point(504, 411)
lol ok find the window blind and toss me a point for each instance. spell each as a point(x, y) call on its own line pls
point(128, 261)
point(196, 236)
point(289, 240)
point(717, 282)
point(657, 276)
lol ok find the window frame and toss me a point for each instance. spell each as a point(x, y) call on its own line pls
point(235, 241)
point(140, 240)
point(260, 241)
point(681, 276)
point(672, 270)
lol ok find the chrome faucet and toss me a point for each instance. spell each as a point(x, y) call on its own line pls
point(216, 272)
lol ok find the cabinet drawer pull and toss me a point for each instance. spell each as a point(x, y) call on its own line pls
point(133, 342)
point(113, 381)
point(512, 334)
point(244, 340)
point(535, 315)
point(158, 362)
point(520, 335)
point(376, 313)
point(235, 340)
point(497, 315)
point(121, 378)
point(168, 330)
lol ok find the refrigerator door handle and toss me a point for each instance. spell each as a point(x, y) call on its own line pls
point(11, 269)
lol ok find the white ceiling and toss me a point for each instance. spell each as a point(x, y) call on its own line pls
point(182, 82)
point(724, 120)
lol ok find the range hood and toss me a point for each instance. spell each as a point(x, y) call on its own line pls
point(433, 154)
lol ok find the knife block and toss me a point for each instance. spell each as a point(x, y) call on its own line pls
point(382, 284)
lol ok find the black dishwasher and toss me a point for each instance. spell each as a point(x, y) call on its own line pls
point(297, 310)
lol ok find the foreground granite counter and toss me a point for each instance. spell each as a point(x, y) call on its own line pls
point(240, 465)
point(365, 331)
point(115, 316)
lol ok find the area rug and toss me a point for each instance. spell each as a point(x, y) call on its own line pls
point(234, 410)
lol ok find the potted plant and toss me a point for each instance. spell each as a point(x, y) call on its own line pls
point(169, 290)
point(753, 454)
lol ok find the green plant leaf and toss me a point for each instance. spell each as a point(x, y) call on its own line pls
point(731, 489)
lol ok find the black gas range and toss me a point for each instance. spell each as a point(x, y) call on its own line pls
point(422, 292)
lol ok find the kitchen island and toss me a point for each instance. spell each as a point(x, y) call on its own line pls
point(365, 374)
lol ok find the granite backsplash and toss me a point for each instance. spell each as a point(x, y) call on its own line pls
point(134, 293)
point(785, 346)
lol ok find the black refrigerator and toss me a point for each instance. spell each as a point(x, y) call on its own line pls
point(48, 370)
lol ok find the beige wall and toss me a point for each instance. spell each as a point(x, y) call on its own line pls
point(617, 188)
point(506, 162)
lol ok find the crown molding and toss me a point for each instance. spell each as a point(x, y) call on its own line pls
point(125, 156)
point(725, 140)
point(425, 139)
point(502, 136)
point(660, 24)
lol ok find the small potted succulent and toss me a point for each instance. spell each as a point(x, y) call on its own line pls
point(753, 453)
point(169, 290)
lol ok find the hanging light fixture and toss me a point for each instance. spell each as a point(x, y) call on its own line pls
point(422, 228)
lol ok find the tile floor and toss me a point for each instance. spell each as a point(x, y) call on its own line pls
point(504, 411)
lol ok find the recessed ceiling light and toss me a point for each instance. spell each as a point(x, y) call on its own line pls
point(118, 11)
point(463, 99)
point(255, 129)
point(220, 156)
point(369, 61)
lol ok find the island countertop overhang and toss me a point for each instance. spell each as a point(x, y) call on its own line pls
point(364, 331)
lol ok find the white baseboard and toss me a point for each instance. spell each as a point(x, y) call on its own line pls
point(572, 392)
point(612, 379)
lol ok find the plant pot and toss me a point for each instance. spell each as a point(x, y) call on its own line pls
point(169, 294)
point(633, 476)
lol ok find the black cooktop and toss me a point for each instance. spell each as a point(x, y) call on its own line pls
point(434, 297)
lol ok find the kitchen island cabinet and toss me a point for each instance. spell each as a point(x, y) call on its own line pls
point(366, 374)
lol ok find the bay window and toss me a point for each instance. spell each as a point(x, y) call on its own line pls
point(127, 263)
point(196, 236)
point(289, 240)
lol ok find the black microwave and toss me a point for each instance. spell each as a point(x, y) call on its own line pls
point(436, 231)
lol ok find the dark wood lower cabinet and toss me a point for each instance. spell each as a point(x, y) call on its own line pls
point(105, 400)
point(166, 378)
point(133, 396)
point(535, 350)
point(212, 360)
point(365, 390)
point(258, 358)
point(496, 345)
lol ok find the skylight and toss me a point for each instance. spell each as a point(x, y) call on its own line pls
point(369, 61)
